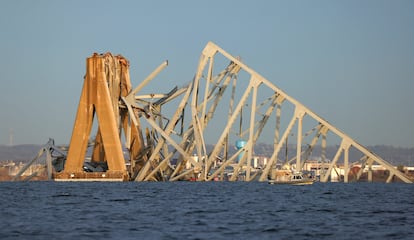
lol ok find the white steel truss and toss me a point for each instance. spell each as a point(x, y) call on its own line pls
point(205, 95)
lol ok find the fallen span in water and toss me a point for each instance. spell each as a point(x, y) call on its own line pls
point(163, 136)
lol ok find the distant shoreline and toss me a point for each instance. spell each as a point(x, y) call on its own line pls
point(394, 155)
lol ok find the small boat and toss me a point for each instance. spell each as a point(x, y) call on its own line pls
point(296, 178)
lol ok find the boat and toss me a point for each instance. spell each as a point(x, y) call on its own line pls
point(296, 178)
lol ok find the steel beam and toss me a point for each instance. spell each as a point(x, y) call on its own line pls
point(107, 82)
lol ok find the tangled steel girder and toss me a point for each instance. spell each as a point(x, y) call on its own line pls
point(219, 107)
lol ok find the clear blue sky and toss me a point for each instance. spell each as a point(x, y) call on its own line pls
point(351, 62)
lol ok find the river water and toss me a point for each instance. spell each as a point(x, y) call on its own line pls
point(205, 210)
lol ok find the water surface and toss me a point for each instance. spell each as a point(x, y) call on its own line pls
point(212, 210)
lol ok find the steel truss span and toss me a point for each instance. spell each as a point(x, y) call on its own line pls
point(227, 104)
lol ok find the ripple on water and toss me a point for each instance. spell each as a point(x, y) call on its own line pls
point(183, 210)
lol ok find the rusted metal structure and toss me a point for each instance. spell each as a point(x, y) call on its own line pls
point(225, 102)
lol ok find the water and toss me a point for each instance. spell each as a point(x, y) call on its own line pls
point(213, 210)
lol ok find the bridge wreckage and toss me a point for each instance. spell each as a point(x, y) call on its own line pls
point(162, 136)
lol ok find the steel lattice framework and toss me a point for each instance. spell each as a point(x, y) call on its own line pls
point(204, 95)
point(225, 102)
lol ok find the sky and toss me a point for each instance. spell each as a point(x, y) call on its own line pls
point(351, 62)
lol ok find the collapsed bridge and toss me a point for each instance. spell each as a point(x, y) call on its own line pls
point(163, 136)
